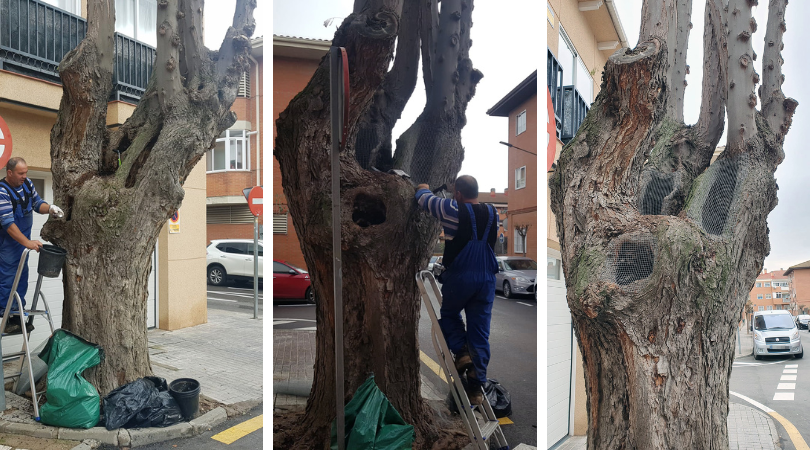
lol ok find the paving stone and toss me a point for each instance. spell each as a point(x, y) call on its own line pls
point(145, 436)
point(100, 434)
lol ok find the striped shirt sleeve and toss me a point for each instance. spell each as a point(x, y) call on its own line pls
point(444, 209)
point(6, 211)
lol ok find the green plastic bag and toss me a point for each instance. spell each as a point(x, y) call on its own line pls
point(373, 423)
point(72, 401)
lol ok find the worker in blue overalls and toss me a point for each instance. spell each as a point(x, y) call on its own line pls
point(468, 281)
point(18, 200)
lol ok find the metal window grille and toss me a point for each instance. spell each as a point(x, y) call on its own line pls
point(229, 214)
point(520, 177)
point(244, 85)
point(279, 223)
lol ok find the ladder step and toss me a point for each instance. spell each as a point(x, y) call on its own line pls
point(36, 313)
point(11, 356)
point(489, 428)
point(16, 375)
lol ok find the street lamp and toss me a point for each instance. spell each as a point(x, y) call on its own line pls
point(515, 147)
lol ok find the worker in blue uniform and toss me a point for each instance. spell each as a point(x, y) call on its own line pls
point(18, 200)
point(468, 281)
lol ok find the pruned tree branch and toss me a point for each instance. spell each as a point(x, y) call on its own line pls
point(742, 76)
point(193, 51)
point(670, 20)
point(167, 64)
point(429, 29)
point(711, 122)
point(777, 109)
point(232, 57)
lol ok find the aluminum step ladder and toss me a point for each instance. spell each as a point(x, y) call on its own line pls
point(480, 421)
point(26, 320)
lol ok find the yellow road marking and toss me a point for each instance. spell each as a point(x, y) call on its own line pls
point(506, 421)
point(239, 431)
point(432, 365)
point(795, 436)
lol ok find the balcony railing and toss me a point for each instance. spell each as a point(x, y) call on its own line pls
point(570, 108)
point(35, 37)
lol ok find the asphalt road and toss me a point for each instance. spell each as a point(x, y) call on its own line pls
point(233, 297)
point(513, 343)
point(769, 381)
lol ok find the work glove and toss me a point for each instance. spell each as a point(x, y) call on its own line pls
point(56, 212)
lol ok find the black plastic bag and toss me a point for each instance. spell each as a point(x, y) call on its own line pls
point(143, 403)
point(499, 399)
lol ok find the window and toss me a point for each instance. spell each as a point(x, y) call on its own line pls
point(71, 6)
point(574, 71)
point(520, 177)
point(500, 266)
point(137, 19)
point(228, 214)
point(244, 85)
point(778, 295)
point(553, 268)
point(761, 308)
point(250, 249)
point(229, 153)
point(520, 123)
point(550, 15)
point(770, 308)
point(767, 284)
point(237, 248)
point(759, 297)
point(759, 284)
point(280, 268)
point(279, 224)
point(767, 295)
point(520, 243)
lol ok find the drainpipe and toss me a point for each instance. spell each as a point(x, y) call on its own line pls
point(258, 97)
point(617, 24)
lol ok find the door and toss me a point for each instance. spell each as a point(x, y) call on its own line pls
point(249, 260)
point(560, 343)
point(232, 257)
point(283, 281)
point(152, 299)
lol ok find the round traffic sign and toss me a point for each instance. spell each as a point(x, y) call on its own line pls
point(256, 200)
point(175, 217)
point(5, 143)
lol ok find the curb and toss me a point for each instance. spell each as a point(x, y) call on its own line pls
point(93, 437)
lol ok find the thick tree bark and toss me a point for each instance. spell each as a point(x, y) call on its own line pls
point(656, 284)
point(386, 240)
point(113, 214)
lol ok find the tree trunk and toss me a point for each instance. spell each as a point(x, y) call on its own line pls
point(114, 213)
point(660, 249)
point(386, 240)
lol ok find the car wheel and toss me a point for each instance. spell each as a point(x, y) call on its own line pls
point(310, 296)
point(800, 355)
point(757, 357)
point(217, 275)
point(507, 289)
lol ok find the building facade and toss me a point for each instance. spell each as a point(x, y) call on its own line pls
point(294, 62)
point(520, 106)
point(581, 36)
point(771, 291)
point(799, 287)
point(30, 94)
point(235, 162)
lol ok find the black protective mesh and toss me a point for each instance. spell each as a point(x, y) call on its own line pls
point(714, 205)
point(656, 187)
point(629, 259)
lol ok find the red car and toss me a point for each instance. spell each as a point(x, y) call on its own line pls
point(290, 282)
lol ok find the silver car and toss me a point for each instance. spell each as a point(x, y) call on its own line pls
point(516, 275)
point(775, 333)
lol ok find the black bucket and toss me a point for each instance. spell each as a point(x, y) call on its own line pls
point(51, 260)
point(186, 392)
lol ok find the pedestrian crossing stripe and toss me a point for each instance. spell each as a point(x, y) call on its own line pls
point(239, 431)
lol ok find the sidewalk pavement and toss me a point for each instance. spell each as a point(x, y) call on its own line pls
point(748, 429)
point(224, 355)
point(294, 368)
point(745, 345)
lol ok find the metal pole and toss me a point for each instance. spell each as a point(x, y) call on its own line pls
point(336, 101)
point(255, 267)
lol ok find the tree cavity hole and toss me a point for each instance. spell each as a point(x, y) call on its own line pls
point(653, 199)
point(718, 201)
point(368, 210)
point(634, 262)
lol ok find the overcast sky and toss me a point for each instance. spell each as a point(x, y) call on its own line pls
point(788, 223)
point(507, 48)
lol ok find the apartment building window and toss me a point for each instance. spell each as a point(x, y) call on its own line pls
point(761, 308)
point(231, 152)
point(778, 295)
point(520, 243)
point(767, 295)
point(137, 19)
point(71, 6)
point(574, 70)
point(520, 177)
point(520, 123)
point(759, 296)
point(279, 223)
point(759, 284)
point(770, 308)
point(767, 284)
point(244, 86)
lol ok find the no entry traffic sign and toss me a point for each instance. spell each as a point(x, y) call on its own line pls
point(256, 201)
point(5, 143)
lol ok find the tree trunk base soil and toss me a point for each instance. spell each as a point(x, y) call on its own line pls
point(289, 432)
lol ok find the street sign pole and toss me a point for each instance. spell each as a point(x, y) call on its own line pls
point(338, 80)
point(255, 267)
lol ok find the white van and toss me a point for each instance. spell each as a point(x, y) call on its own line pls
point(775, 333)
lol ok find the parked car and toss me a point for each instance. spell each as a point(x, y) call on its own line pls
point(775, 333)
point(433, 259)
point(290, 282)
point(802, 320)
point(516, 275)
point(231, 259)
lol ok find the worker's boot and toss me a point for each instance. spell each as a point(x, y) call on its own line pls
point(476, 395)
point(463, 362)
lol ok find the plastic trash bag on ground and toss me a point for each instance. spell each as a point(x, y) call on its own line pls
point(499, 399)
point(72, 401)
point(372, 422)
point(143, 403)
